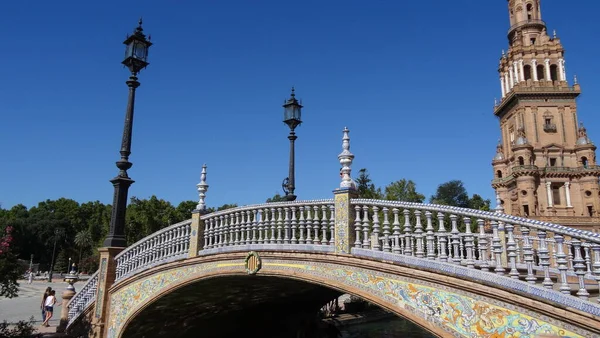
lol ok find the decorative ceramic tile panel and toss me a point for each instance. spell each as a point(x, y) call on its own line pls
point(342, 236)
point(100, 293)
point(460, 313)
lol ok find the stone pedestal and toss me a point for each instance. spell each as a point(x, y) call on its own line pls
point(106, 278)
point(196, 234)
point(345, 234)
point(67, 295)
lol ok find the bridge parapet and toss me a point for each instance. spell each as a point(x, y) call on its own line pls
point(505, 245)
point(166, 245)
point(297, 222)
point(82, 299)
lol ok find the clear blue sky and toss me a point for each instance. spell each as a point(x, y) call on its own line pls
point(414, 82)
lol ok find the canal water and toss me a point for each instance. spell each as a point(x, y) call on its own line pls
point(386, 328)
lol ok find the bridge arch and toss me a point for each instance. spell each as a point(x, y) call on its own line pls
point(441, 303)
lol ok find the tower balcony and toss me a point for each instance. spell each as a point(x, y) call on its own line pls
point(531, 23)
point(542, 89)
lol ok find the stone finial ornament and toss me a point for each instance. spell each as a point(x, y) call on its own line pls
point(499, 209)
point(202, 188)
point(345, 158)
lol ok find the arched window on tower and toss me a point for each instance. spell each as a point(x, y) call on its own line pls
point(499, 173)
point(584, 162)
point(527, 71)
point(529, 11)
point(554, 72)
point(521, 160)
point(540, 72)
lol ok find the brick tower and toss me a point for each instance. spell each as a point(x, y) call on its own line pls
point(545, 164)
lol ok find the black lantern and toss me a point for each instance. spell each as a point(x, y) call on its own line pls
point(136, 52)
point(292, 111)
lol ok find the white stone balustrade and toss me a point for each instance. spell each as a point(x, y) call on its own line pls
point(537, 252)
point(297, 222)
point(166, 245)
point(82, 299)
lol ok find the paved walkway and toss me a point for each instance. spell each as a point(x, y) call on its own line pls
point(27, 304)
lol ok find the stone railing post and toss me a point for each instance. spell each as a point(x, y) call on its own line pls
point(196, 234)
point(106, 278)
point(345, 232)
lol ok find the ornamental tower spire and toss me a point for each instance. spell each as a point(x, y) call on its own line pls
point(544, 168)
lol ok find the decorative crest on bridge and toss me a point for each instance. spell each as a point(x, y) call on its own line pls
point(202, 188)
point(346, 158)
point(253, 263)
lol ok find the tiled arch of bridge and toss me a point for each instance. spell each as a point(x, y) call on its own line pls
point(444, 305)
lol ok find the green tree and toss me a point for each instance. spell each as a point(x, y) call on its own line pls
point(477, 202)
point(146, 216)
point(451, 193)
point(365, 186)
point(223, 207)
point(276, 198)
point(403, 190)
point(83, 240)
point(9, 266)
point(184, 211)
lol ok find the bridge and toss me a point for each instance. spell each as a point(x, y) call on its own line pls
point(256, 269)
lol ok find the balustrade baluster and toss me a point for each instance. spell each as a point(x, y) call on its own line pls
point(482, 246)
point(357, 226)
point(162, 251)
point(221, 232)
point(249, 226)
point(324, 225)
point(273, 224)
point(469, 246)
point(316, 224)
point(302, 225)
point(570, 263)
point(562, 264)
point(386, 230)
point(236, 228)
point(243, 228)
point(208, 233)
point(497, 249)
point(528, 255)
point(286, 222)
point(511, 251)
point(308, 225)
point(269, 226)
point(205, 234)
point(332, 224)
point(442, 238)
point(365, 227)
point(172, 242)
point(375, 245)
point(596, 265)
point(266, 225)
point(519, 250)
point(279, 226)
point(256, 217)
point(461, 246)
point(229, 230)
point(420, 253)
point(408, 248)
point(294, 226)
point(588, 261)
point(188, 231)
point(544, 259)
point(430, 236)
point(261, 224)
point(455, 239)
point(580, 269)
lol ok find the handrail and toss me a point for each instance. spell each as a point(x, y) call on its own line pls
point(166, 245)
point(270, 205)
point(83, 298)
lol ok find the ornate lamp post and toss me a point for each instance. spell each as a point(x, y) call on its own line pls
point(56, 233)
point(136, 59)
point(292, 111)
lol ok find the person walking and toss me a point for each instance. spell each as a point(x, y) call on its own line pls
point(30, 277)
point(43, 305)
point(49, 305)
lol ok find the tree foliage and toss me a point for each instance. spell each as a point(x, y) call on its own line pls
point(276, 198)
point(455, 194)
point(9, 266)
point(365, 186)
point(403, 190)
